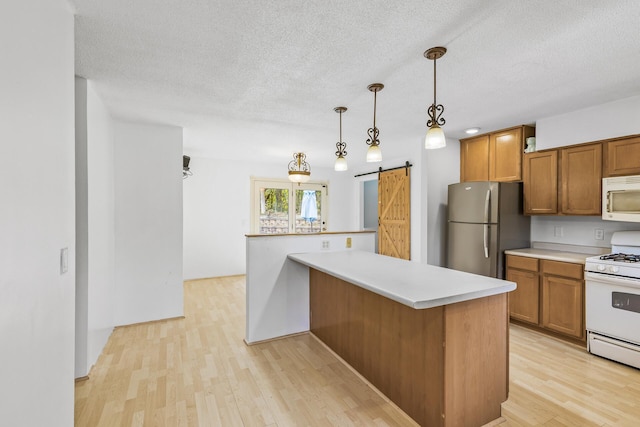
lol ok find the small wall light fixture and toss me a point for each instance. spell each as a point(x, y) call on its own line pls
point(186, 173)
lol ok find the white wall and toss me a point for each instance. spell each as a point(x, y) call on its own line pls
point(95, 227)
point(37, 213)
point(610, 120)
point(278, 288)
point(82, 229)
point(442, 168)
point(217, 212)
point(101, 214)
point(148, 222)
point(576, 230)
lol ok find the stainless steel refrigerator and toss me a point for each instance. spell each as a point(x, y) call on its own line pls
point(485, 219)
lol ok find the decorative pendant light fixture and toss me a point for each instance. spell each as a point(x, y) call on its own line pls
point(299, 169)
point(341, 162)
point(374, 154)
point(435, 136)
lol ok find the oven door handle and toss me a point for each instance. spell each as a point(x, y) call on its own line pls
point(611, 280)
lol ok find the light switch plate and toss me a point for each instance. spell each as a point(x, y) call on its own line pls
point(64, 260)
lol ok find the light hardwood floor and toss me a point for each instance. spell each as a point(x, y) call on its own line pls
point(197, 371)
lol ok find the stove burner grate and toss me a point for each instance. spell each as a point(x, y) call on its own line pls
point(621, 257)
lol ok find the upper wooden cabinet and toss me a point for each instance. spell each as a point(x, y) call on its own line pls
point(541, 182)
point(622, 156)
point(581, 178)
point(474, 159)
point(505, 153)
point(496, 156)
point(564, 181)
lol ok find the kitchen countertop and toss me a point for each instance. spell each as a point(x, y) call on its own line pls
point(559, 252)
point(573, 257)
point(410, 283)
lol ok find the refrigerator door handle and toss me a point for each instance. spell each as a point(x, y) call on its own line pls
point(487, 203)
point(486, 240)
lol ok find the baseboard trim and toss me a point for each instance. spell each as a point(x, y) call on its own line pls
point(149, 322)
point(198, 279)
point(275, 339)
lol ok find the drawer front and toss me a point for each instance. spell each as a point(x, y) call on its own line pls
point(564, 269)
point(522, 262)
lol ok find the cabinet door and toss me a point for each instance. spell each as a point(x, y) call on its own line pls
point(505, 155)
point(622, 157)
point(541, 182)
point(581, 177)
point(524, 301)
point(562, 305)
point(474, 159)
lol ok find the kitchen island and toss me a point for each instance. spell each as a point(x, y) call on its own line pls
point(433, 340)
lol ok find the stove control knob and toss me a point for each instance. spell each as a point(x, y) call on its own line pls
point(614, 269)
point(601, 267)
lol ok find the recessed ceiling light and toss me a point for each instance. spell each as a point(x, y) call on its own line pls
point(471, 131)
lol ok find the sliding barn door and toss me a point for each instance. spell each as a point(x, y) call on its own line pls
point(394, 219)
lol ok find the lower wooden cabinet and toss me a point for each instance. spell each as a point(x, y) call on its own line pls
point(524, 301)
point(550, 294)
point(562, 302)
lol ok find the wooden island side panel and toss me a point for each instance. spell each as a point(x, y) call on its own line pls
point(395, 347)
point(477, 360)
point(429, 362)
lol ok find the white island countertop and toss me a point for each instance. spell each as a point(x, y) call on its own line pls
point(410, 283)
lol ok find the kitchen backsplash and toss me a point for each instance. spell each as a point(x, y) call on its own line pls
point(575, 230)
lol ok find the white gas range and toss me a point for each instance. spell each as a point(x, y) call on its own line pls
point(612, 286)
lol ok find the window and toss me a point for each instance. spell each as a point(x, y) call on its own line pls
point(280, 207)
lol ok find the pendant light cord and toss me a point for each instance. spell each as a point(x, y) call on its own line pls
point(374, 108)
point(434, 81)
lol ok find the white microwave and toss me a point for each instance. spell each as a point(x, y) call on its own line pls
point(621, 198)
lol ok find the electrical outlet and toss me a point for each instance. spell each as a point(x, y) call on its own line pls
point(599, 234)
point(325, 244)
point(558, 231)
point(348, 242)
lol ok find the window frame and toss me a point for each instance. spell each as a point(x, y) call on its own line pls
point(257, 183)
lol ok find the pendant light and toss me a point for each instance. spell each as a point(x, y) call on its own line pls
point(299, 169)
point(435, 136)
point(374, 154)
point(341, 162)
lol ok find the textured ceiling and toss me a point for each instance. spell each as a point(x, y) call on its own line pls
point(260, 79)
